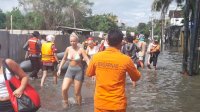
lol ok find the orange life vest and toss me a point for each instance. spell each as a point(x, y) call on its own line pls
point(47, 52)
point(32, 43)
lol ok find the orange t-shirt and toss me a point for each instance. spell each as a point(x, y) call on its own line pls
point(110, 67)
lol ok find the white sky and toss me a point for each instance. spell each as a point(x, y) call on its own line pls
point(131, 12)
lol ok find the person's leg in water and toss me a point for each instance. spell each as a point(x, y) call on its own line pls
point(55, 77)
point(65, 87)
point(141, 59)
point(54, 70)
point(44, 75)
point(141, 63)
point(78, 80)
point(35, 62)
point(155, 59)
point(150, 60)
point(77, 91)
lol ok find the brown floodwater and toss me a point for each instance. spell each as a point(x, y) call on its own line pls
point(163, 90)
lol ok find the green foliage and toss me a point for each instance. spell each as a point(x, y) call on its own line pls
point(58, 12)
point(146, 28)
point(163, 5)
point(131, 29)
point(100, 23)
point(34, 20)
point(2, 20)
point(157, 27)
point(17, 19)
point(143, 28)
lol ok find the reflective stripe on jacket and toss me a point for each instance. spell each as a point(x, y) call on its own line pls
point(47, 52)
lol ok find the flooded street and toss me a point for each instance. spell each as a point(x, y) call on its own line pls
point(163, 90)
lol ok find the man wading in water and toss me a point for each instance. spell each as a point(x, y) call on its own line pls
point(110, 67)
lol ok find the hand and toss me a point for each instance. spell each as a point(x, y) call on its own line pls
point(134, 84)
point(58, 72)
point(93, 78)
point(18, 93)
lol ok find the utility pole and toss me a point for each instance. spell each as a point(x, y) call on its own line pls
point(163, 24)
point(152, 26)
point(186, 37)
point(11, 23)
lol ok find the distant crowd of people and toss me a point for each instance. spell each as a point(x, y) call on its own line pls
point(107, 62)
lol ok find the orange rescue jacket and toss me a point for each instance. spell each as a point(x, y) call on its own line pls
point(32, 43)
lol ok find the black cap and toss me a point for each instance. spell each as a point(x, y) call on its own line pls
point(36, 34)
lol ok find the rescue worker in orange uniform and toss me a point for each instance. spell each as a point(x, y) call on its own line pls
point(33, 47)
point(110, 67)
point(49, 58)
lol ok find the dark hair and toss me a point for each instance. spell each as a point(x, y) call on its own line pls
point(43, 37)
point(129, 39)
point(115, 37)
point(36, 34)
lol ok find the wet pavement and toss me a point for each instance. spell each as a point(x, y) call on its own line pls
point(163, 90)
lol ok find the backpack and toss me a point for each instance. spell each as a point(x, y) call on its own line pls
point(130, 49)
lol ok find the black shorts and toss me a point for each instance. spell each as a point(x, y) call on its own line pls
point(6, 106)
point(52, 67)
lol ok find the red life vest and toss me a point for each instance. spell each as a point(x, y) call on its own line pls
point(32, 43)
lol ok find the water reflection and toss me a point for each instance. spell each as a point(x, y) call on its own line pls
point(163, 90)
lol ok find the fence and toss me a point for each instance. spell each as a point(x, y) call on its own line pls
point(12, 45)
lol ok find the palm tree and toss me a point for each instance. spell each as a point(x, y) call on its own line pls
point(191, 14)
point(163, 5)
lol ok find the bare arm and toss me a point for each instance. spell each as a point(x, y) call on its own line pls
point(87, 50)
point(85, 56)
point(132, 71)
point(55, 54)
point(155, 49)
point(21, 74)
point(25, 47)
point(64, 59)
point(26, 55)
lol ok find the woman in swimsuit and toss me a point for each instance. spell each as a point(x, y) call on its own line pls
point(74, 72)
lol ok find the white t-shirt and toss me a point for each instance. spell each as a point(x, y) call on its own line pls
point(92, 51)
point(3, 89)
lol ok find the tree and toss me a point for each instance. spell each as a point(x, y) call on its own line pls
point(17, 19)
point(143, 28)
point(78, 9)
point(34, 20)
point(191, 12)
point(100, 23)
point(2, 20)
point(58, 12)
point(163, 5)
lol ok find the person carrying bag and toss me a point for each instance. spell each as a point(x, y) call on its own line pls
point(29, 100)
